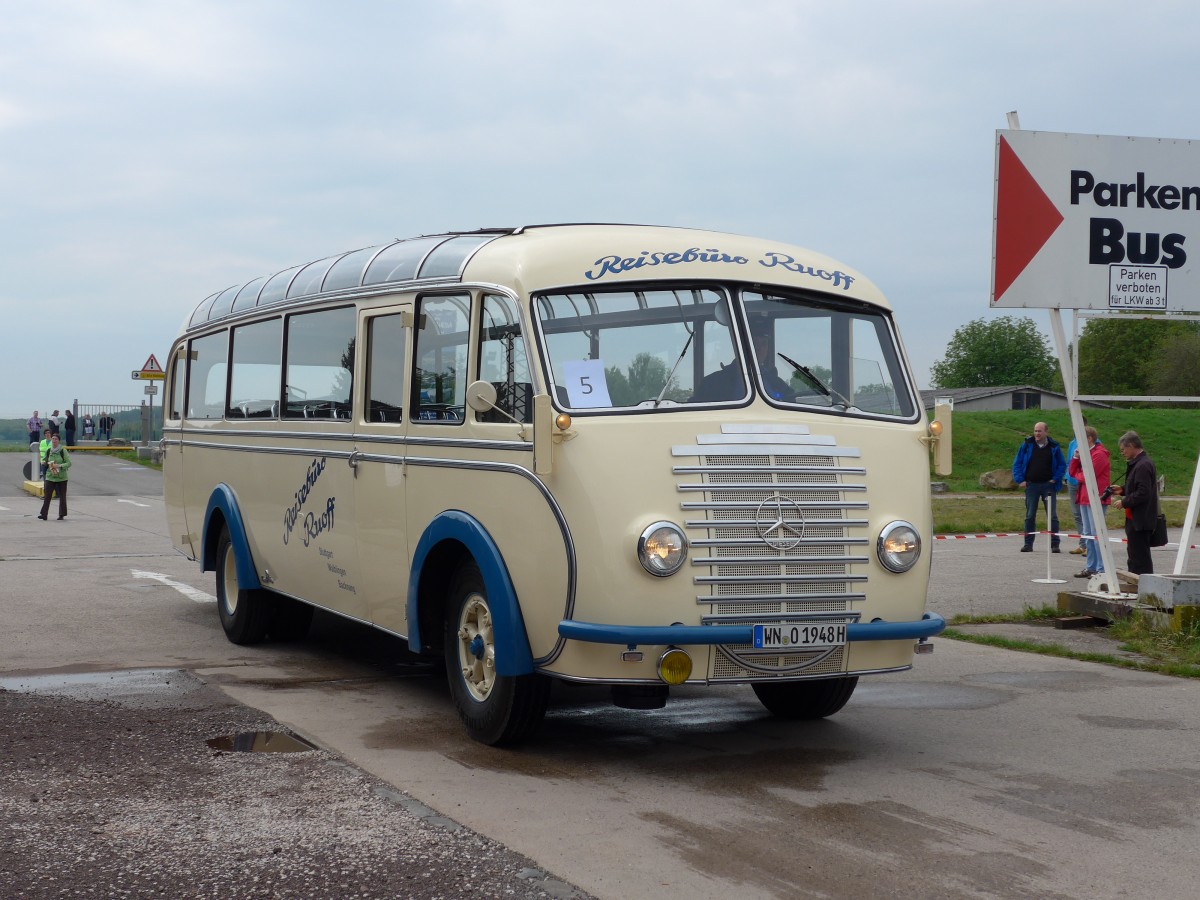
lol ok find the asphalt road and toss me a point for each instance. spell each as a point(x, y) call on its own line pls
point(982, 773)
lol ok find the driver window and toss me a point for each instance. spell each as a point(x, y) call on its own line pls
point(502, 361)
point(440, 357)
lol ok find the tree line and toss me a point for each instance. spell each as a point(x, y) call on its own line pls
point(1137, 357)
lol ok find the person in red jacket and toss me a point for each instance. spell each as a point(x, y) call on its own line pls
point(1103, 469)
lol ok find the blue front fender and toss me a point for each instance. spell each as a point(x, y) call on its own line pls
point(223, 499)
point(513, 656)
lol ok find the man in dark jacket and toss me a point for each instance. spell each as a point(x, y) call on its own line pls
point(1139, 498)
point(1039, 467)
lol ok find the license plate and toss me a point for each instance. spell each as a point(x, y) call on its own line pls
point(799, 635)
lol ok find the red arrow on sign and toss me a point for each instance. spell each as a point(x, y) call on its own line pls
point(1025, 219)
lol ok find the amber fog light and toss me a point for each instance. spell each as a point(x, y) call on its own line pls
point(674, 666)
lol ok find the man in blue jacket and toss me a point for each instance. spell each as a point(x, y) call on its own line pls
point(1039, 467)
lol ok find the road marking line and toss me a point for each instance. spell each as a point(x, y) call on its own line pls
point(186, 589)
point(5, 508)
point(135, 503)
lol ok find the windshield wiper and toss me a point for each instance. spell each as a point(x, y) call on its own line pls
point(814, 381)
point(671, 374)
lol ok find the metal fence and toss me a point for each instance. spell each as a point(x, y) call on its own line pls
point(129, 422)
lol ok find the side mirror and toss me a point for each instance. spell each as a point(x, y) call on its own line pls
point(481, 396)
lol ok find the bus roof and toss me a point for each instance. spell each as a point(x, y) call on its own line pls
point(544, 257)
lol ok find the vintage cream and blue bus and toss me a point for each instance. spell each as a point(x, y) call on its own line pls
point(620, 455)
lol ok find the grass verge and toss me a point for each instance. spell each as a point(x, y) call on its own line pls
point(1164, 652)
point(990, 513)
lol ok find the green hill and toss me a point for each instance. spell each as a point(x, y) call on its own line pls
point(984, 441)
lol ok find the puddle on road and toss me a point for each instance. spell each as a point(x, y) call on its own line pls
point(260, 742)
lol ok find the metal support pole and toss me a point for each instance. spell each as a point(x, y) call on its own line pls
point(1049, 579)
point(1185, 539)
point(1070, 385)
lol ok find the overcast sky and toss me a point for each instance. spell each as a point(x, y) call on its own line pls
point(153, 153)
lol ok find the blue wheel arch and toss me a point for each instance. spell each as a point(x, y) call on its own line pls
point(223, 501)
point(513, 655)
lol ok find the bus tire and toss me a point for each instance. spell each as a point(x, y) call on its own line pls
point(805, 699)
point(495, 709)
point(290, 619)
point(245, 614)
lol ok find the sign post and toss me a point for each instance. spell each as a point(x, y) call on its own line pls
point(151, 371)
point(1092, 222)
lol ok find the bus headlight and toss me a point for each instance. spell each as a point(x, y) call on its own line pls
point(662, 548)
point(899, 546)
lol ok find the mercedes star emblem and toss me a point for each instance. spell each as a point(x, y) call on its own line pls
point(776, 527)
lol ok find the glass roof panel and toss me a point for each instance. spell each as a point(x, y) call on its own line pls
point(348, 271)
point(447, 260)
point(276, 288)
point(224, 302)
point(201, 313)
point(399, 261)
point(248, 296)
point(308, 281)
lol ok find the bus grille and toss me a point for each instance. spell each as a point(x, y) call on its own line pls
point(776, 519)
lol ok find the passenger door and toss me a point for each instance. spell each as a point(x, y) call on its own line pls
point(180, 536)
point(379, 483)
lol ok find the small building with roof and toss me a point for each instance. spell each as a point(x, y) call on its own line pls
point(991, 399)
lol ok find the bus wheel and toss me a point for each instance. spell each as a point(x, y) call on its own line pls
point(805, 699)
point(244, 613)
point(289, 619)
point(495, 709)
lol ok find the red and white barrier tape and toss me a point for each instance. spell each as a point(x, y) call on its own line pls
point(1021, 534)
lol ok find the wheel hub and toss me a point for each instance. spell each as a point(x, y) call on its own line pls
point(476, 647)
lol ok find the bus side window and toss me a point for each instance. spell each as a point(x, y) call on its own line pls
point(206, 380)
point(254, 380)
point(178, 370)
point(503, 362)
point(440, 357)
point(385, 369)
point(320, 364)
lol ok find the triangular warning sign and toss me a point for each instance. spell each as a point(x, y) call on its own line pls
point(151, 365)
point(1025, 219)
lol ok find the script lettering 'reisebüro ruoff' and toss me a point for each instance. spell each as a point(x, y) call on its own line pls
point(616, 264)
point(313, 524)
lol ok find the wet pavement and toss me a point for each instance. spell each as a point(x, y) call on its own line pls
point(111, 787)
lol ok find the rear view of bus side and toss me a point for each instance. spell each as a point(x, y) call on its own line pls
point(632, 456)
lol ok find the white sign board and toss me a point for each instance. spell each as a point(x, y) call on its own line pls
point(586, 383)
point(1093, 222)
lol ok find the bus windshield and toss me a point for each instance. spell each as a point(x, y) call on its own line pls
point(663, 349)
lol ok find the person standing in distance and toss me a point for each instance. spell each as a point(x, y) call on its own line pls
point(1092, 512)
point(43, 448)
point(35, 428)
point(1039, 468)
point(58, 461)
point(1139, 499)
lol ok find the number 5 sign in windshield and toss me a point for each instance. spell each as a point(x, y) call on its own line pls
point(1095, 222)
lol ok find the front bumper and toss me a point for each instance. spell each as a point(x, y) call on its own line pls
point(633, 635)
